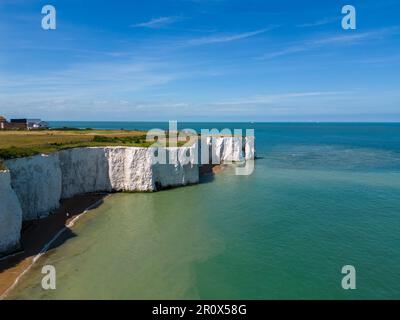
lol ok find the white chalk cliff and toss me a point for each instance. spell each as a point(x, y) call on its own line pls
point(10, 215)
point(230, 149)
point(249, 148)
point(85, 170)
point(35, 185)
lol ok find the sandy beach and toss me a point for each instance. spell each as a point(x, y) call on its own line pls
point(211, 169)
point(37, 234)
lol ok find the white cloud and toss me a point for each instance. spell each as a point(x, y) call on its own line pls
point(343, 39)
point(281, 97)
point(225, 38)
point(318, 23)
point(157, 23)
point(86, 81)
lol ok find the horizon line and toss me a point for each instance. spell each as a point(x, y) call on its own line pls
point(223, 121)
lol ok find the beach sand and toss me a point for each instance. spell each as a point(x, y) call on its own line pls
point(37, 234)
point(211, 169)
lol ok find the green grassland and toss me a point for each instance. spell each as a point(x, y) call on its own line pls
point(22, 143)
point(17, 144)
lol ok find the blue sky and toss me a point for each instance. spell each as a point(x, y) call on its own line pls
point(200, 60)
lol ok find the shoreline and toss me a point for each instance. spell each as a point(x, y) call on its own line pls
point(38, 236)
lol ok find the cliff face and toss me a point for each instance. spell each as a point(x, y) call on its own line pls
point(182, 168)
point(35, 185)
point(230, 149)
point(10, 215)
point(87, 170)
point(130, 169)
point(249, 148)
point(83, 170)
point(40, 182)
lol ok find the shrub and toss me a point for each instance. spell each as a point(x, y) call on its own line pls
point(14, 152)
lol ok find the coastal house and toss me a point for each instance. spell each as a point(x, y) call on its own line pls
point(30, 124)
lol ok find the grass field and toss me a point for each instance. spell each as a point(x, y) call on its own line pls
point(16, 144)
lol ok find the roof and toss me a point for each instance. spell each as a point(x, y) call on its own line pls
point(18, 120)
point(25, 120)
point(34, 120)
point(2, 119)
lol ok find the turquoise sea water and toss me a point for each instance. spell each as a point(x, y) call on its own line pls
point(322, 196)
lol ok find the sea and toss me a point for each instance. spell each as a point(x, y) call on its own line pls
point(322, 196)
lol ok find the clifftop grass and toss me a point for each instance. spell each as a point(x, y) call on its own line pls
point(18, 144)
